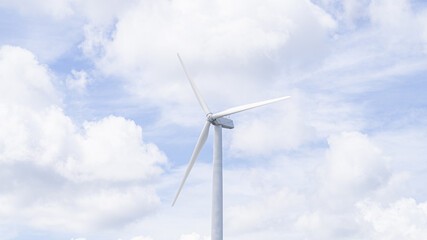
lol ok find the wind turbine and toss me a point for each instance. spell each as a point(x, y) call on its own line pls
point(219, 122)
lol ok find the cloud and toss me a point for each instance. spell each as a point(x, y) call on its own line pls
point(36, 136)
point(112, 149)
point(311, 194)
point(233, 40)
point(226, 32)
point(63, 175)
point(354, 169)
point(25, 81)
point(109, 149)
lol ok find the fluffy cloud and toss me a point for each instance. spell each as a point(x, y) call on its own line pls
point(28, 109)
point(308, 196)
point(37, 136)
point(355, 169)
point(24, 81)
point(112, 149)
point(228, 32)
point(234, 40)
point(57, 168)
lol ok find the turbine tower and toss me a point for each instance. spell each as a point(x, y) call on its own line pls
point(219, 122)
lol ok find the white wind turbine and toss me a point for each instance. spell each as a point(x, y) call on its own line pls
point(219, 122)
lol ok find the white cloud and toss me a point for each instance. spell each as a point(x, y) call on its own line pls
point(312, 195)
point(233, 40)
point(37, 136)
point(355, 169)
point(63, 175)
point(112, 149)
point(227, 32)
point(25, 81)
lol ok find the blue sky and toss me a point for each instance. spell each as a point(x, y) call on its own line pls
point(98, 119)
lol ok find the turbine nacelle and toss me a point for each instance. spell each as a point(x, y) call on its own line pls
point(224, 122)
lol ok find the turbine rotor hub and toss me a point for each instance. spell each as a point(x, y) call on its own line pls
point(209, 118)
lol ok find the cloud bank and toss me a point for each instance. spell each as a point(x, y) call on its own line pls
point(41, 149)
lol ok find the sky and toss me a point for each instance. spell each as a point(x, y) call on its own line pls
point(98, 120)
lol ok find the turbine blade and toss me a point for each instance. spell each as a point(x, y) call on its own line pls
point(200, 143)
point(246, 107)
point(196, 91)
